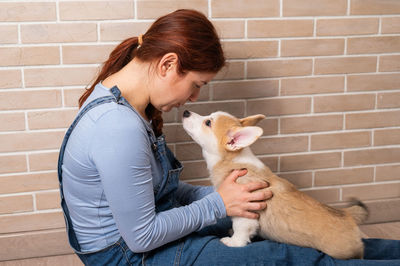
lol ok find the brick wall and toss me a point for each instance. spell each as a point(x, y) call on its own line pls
point(325, 72)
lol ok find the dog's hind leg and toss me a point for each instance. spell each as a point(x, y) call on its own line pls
point(243, 230)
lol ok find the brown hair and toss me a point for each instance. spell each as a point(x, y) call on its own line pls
point(188, 33)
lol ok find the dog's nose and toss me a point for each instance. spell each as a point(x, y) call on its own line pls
point(186, 113)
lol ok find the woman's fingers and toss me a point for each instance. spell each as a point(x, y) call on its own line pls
point(235, 174)
point(260, 195)
point(255, 186)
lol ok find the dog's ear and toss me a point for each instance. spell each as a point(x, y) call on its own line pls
point(240, 137)
point(251, 120)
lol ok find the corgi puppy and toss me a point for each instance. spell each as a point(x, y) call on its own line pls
point(292, 216)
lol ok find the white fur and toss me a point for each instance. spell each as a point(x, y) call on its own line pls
point(243, 230)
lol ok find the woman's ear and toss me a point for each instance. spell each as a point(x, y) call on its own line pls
point(167, 63)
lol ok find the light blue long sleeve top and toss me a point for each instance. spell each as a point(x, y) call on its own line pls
point(109, 176)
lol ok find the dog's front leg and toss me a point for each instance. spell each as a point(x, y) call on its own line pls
point(243, 230)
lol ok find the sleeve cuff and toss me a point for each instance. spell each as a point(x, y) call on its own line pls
point(219, 206)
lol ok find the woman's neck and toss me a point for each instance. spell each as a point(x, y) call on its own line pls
point(132, 81)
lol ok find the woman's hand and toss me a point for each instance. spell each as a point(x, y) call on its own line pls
point(242, 199)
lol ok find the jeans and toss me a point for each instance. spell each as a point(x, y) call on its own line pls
point(205, 248)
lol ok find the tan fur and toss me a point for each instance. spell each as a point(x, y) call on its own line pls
point(292, 216)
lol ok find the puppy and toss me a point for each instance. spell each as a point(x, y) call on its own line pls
point(292, 217)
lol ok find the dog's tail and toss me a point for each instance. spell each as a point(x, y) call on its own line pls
point(358, 210)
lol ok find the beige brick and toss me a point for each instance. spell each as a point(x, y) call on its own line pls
point(375, 156)
point(389, 100)
point(36, 245)
point(389, 63)
point(13, 80)
point(71, 96)
point(371, 45)
point(310, 161)
point(12, 121)
point(51, 119)
point(235, 108)
point(188, 151)
point(70, 76)
point(245, 89)
point(156, 8)
point(283, 106)
point(12, 164)
point(290, 125)
point(30, 222)
point(175, 133)
point(345, 65)
point(390, 25)
point(244, 8)
point(350, 26)
point(86, 54)
point(312, 47)
point(194, 170)
point(279, 68)
point(28, 11)
point(314, 8)
point(344, 176)
point(118, 31)
point(8, 33)
point(12, 100)
point(273, 145)
point(202, 182)
point(60, 32)
point(43, 161)
point(373, 82)
point(373, 120)
point(340, 140)
point(384, 210)
point(250, 49)
point(14, 56)
point(228, 29)
point(374, 7)
point(387, 173)
point(271, 162)
point(48, 200)
point(343, 103)
point(15, 204)
point(312, 85)
point(279, 28)
point(387, 137)
point(232, 70)
point(26, 141)
point(378, 191)
point(96, 10)
point(300, 179)
point(269, 126)
point(27, 182)
point(60, 260)
point(328, 195)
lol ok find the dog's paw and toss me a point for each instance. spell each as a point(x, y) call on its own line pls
point(233, 242)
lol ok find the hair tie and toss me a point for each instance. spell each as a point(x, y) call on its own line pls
point(140, 40)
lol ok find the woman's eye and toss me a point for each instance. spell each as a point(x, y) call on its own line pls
point(208, 122)
point(196, 86)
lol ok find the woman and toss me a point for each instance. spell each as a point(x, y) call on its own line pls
point(119, 183)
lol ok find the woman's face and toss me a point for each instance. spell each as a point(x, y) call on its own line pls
point(175, 90)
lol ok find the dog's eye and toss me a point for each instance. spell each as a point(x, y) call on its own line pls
point(208, 122)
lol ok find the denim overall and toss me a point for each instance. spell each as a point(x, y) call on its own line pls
point(164, 193)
